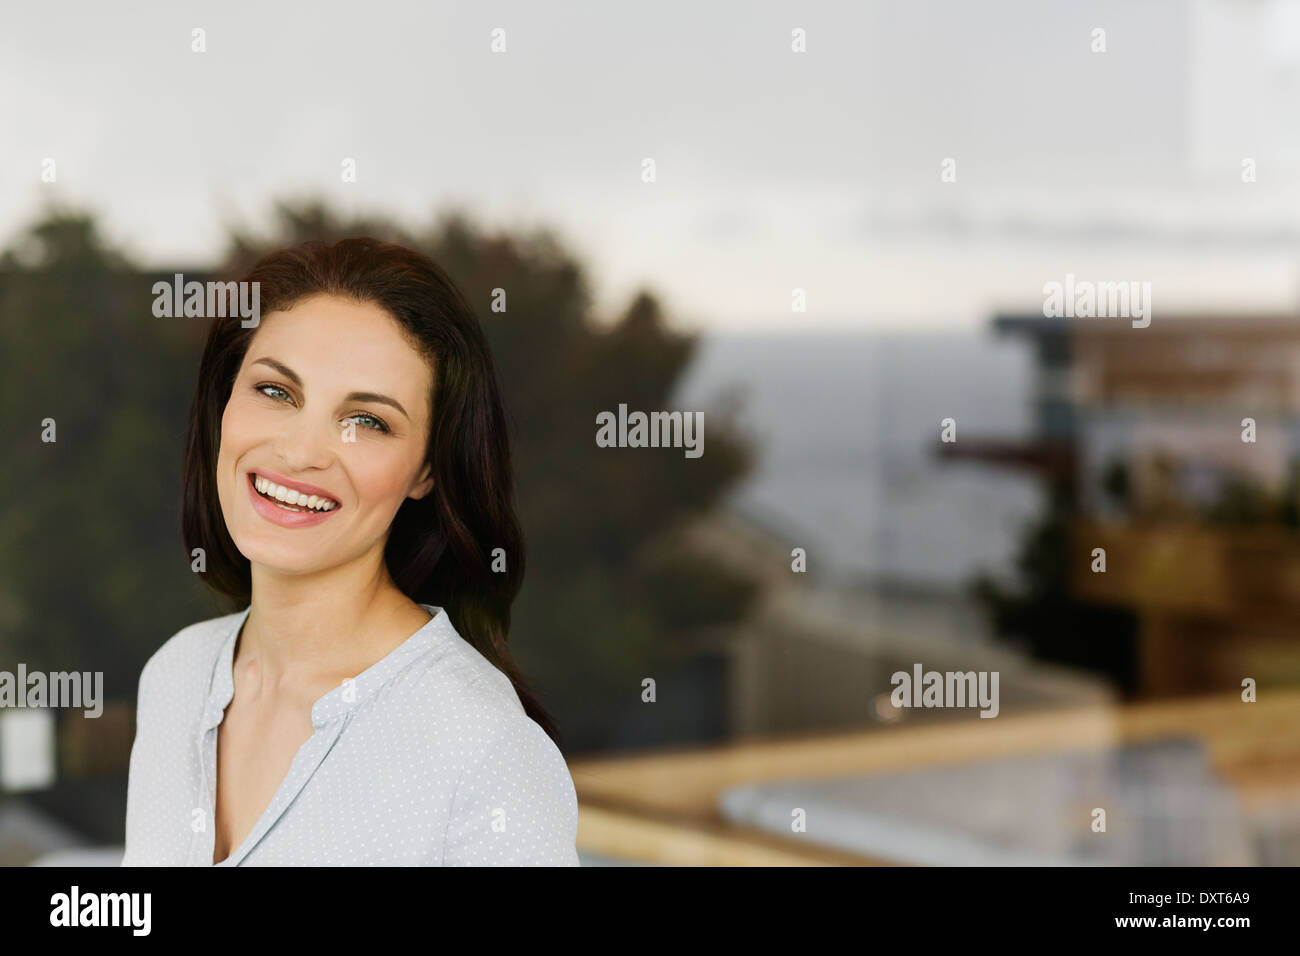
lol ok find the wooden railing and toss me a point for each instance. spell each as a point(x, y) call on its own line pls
point(663, 808)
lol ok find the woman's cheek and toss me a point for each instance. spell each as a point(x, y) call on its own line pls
point(233, 423)
point(382, 484)
point(244, 426)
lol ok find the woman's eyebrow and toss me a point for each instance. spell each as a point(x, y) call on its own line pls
point(292, 376)
point(376, 397)
point(284, 370)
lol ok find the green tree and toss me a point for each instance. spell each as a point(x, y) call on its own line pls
point(92, 577)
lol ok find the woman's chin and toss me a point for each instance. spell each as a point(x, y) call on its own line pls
point(281, 559)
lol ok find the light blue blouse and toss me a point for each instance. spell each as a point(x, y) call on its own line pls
point(426, 758)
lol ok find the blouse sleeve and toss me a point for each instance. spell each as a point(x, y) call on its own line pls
point(135, 788)
point(516, 806)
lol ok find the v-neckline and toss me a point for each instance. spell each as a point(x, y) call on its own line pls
point(326, 723)
point(238, 849)
point(312, 749)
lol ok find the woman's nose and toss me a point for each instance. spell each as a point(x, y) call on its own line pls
point(307, 443)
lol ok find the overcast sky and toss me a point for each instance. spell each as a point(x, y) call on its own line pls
point(775, 169)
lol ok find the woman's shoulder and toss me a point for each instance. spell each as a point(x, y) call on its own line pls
point(187, 656)
point(460, 676)
point(457, 685)
point(513, 800)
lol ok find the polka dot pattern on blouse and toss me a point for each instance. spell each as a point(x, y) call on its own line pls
point(426, 758)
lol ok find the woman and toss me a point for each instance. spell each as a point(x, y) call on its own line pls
point(348, 478)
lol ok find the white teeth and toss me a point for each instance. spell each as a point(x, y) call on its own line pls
point(289, 496)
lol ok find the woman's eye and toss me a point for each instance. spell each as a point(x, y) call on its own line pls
point(272, 391)
point(368, 421)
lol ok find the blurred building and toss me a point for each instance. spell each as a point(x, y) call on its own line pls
point(1180, 443)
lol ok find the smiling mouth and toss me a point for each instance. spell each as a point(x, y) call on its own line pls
point(288, 499)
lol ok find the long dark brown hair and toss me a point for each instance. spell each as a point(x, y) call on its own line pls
point(439, 548)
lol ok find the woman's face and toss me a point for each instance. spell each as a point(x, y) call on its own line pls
point(331, 408)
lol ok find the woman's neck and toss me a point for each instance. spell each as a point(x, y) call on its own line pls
point(314, 627)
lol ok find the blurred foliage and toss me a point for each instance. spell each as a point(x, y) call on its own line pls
point(1290, 505)
point(1116, 483)
point(1244, 500)
point(92, 573)
point(1041, 615)
point(1240, 498)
